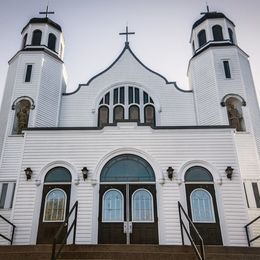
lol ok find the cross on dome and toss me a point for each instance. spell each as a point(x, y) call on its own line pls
point(47, 12)
point(126, 33)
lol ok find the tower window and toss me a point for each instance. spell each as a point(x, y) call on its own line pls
point(217, 33)
point(230, 32)
point(227, 69)
point(28, 74)
point(37, 37)
point(256, 194)
point(52, 42)
point(24, 41)
point(202, 38)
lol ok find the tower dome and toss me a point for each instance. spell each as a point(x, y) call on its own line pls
point(212, 29)
point(43, 33)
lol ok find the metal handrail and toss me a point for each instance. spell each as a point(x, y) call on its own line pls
point(249, 241)
point(55, 255)
point(200, 255)
point(13, 229)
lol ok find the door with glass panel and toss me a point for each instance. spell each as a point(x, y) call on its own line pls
point(55, 204)
point(128, 214)
point(202, 206)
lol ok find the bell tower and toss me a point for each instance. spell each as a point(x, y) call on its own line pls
point(220, 76)
point(35, 80)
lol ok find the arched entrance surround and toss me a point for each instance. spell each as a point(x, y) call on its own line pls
point(201, 181)
point(127, 189)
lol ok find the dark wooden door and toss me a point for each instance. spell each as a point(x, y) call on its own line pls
point(203, 211)
point(54, 209)
point(135, 221)
point(112, 199)
point(144, 226)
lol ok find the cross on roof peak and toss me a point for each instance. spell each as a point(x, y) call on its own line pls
point(208, 11)
point(47, 12)
point(126, 33)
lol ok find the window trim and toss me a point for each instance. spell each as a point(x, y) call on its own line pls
point(122, 207)
point(152, 207)
point(212, 207)
point(45, 204)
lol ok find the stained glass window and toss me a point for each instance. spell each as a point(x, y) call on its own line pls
point(149, 115)
point(103, 116)
point(112, 206)
point(55, 206)
point(202, 206)
point(142, 206)
point(134, 113)
point(118, 113)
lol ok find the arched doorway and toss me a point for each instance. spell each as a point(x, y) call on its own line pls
point(127, 204)
point(55, 204)
point(202, 206)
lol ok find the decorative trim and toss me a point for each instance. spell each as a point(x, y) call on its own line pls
point(127, 47)
point(21, 98)
point(138, 124)
point(224, 99)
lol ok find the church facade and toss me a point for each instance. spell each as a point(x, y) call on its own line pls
point(129, 145)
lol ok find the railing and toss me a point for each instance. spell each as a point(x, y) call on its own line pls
point(13, 229)
point(200, 254)
point(57, 237)
point(249, 241)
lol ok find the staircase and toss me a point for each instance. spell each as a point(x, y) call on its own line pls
point(127, 252)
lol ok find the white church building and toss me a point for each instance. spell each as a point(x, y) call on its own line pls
point(129, 145)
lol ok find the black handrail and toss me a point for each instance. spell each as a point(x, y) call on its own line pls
point(55, 255)
point(13, 228)
point(249, 241)
point(200, 255)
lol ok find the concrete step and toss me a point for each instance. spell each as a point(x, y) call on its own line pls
point(127, 252)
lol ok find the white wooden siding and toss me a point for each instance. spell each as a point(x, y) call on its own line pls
point(165, 147)
point(176, 107)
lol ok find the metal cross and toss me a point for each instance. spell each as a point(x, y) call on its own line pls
point(47, 12)
point(126, 34)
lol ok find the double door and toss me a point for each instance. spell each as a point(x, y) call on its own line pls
point(127, 214)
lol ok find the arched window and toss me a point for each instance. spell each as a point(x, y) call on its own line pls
point(55, 206)
point(37, 37)
point(202, 38)
point(217, 33)
point(142, 206)
point(118, 113)
point(149, 115)
point(58, 174)
point(134, 113)
point(22, 111)
point(193, 47)
point(103, 116)
point(198, 174)
point(52, 42)
point(230, 32)
point(235, 114)
point(113, 208)
point(202, 206)
point(24, 41)
point(127, 168)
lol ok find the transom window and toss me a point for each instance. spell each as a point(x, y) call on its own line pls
point(113, 206)
point(55, 206)
point(142, 206)
point(202, 206)
point(126, 103)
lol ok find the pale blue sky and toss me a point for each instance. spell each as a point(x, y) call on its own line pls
point(161, 41)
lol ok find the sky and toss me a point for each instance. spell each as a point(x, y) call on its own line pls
point(162, 31)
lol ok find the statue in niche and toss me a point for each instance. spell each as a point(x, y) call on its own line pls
point(234, 117)
point(22, 116)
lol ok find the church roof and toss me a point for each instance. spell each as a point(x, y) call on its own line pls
point(210, 15)
point(43, 20)
point(127, 48)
